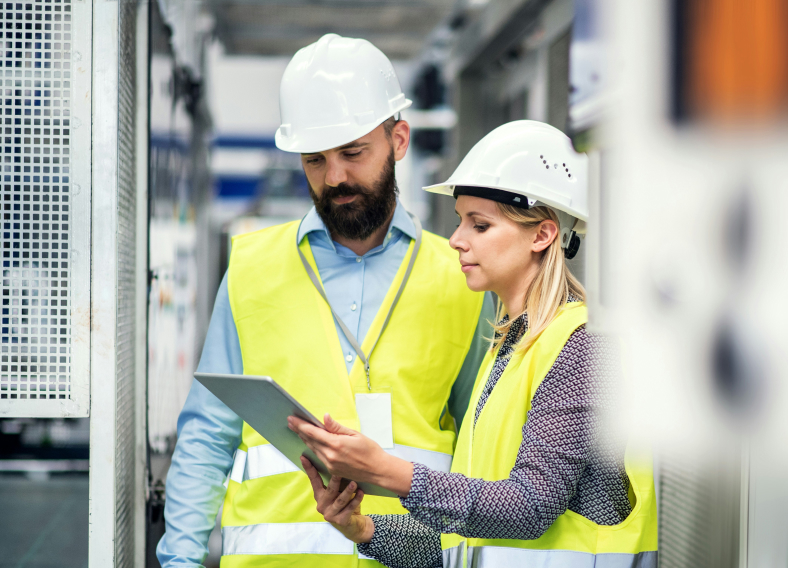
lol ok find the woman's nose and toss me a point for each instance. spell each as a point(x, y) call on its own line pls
point(456, 242)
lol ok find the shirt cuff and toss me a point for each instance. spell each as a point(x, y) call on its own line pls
point(418, 487)
point(376, 548)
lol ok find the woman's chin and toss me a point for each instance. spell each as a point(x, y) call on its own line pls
point(475, 283)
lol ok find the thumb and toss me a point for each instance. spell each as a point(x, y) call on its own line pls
point(336, 428)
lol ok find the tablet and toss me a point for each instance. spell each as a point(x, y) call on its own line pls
point(265, 406)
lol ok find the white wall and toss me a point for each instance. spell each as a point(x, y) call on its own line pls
point(243, 93)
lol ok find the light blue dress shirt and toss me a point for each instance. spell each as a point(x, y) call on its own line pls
point(209, 432)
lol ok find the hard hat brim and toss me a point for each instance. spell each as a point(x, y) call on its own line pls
point(326, 138)
point(442, 188)
point(448, 189)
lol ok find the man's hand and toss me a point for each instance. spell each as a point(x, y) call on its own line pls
point(349, 454)
point(342, 510)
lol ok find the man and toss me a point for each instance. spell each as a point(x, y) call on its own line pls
point(296, 302)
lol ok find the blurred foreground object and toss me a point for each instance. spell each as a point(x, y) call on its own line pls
point(730, 60)
point(685, 256)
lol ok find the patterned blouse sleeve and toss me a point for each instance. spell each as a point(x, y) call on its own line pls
point(557, 445)
point(400, 541)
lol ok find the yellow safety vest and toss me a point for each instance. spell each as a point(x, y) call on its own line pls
point(286, 330)
point(489, 451)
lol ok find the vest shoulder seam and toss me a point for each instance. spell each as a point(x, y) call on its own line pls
point(259, 232)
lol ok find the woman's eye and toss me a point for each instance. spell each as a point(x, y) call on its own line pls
point(481, 228)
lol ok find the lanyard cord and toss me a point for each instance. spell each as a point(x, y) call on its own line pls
point(348, 334)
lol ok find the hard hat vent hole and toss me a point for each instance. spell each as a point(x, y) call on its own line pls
point(541, 157)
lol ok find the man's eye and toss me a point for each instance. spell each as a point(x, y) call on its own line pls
point(352, 154)
point(313, 160)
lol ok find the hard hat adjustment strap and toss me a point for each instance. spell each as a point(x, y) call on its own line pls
point(365, 358)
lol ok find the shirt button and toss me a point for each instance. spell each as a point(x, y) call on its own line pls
point(358, 259)
point(349, 358)
point(353, 307)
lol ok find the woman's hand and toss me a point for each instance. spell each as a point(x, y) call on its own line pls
point(349, 454)
point(342, 510)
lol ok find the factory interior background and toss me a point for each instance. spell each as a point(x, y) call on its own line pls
point(168, 111)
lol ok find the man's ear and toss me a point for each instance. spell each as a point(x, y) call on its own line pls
point(546, 233)
point(400, 139)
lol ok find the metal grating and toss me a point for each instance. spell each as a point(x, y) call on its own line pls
point(126, 287)
point(36, 318)
point(699, 513)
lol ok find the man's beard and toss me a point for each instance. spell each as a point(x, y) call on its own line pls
point(364, 215)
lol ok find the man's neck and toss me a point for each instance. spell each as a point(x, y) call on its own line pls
point(374, 240)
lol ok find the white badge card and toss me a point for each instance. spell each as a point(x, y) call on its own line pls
point(374, 413)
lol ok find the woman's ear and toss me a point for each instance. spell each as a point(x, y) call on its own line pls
point(545, 234)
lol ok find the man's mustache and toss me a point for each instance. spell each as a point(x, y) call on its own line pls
point(343, 190)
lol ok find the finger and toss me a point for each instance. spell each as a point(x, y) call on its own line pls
point(293, 422)
point(344, 498)
point(317, 448)
point(314, 478)
point(308, 442)
point(352, 508)
point(310, 432)
point(336, 428)
point(355, 504)
point(333, 487)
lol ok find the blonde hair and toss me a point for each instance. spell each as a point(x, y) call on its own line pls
point(550, 289)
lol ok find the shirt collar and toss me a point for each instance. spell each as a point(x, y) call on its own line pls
point(401, 222)
point(522, 319)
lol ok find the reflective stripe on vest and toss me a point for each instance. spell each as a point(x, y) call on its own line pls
point(265, 460)
point(488, 450)
point(501, 557)
point(453, 557)
point(285, 538)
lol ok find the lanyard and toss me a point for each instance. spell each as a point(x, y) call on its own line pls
point(348, 334)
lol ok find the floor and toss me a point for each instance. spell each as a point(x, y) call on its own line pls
point(44, 522)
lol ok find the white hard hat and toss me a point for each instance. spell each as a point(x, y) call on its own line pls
point(334, 91)
point(526, 163)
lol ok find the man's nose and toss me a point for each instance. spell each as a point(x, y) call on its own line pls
point(335, 173)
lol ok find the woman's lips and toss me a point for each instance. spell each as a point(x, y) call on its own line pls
point(468, 267)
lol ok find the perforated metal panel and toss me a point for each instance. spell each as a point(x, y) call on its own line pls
point(126, 287)
point(699, 513)
point(38, 376)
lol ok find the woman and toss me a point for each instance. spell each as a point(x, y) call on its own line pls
point(531, 484)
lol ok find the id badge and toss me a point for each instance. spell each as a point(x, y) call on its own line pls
point(374, 413)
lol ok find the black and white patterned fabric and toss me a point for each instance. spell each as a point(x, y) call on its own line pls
point(516, 331)
point(513, 336)
point(567, 460)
